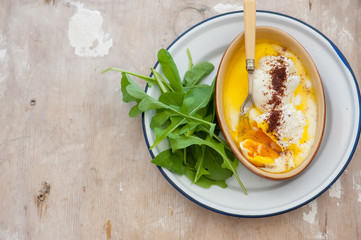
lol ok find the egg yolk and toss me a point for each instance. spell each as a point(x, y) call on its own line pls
point(257, 146)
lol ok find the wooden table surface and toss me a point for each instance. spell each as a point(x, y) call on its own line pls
point(73, 165)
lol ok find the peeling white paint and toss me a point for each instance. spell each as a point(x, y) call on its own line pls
point(336, 190)
point(120, 187)
point(357, 186)
point(2, 55)
point(86, 34)
point(161, 222)
point(223, 8)
point(341, 34)
point(320, 236)
point(324, 235)
point(3, 67)
point(310, 217)
point(3, 61)
point(8, 235)
point(344, 36)
point(21, 55)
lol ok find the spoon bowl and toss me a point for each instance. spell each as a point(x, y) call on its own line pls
point(291, 44)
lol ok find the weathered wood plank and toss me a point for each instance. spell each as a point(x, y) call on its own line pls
point(73, 165)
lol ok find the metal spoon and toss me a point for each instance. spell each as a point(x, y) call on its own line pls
point(250, 42)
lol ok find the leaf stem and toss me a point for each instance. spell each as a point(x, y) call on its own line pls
point(164, 81)
point(159, 81)
point(190, 65)
point(212, 125)
point(215, 137)
point(185, 156)
point(199, 165)
point(146, 78)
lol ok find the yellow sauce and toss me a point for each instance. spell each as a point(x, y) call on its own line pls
point(236, 90)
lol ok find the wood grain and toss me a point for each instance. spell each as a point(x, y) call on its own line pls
point(73, 165)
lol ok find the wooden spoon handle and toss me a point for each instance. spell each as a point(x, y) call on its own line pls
point(250, 32)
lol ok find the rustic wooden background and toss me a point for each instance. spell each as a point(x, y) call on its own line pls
point(74, 166)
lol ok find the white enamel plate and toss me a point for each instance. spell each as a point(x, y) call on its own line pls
point(208, 41)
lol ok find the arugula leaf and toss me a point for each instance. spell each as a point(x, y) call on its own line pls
point(128, 83)
point(132, 92)
point(170, 70)
point(180, 142)
point(190, 126)
point(212, 163)
point(162, 85)
point(172, 98)
point(149, 103)
point(190, 158)
point(178, 122)
point(170, 160)
point(134, 111)
point(160, 118)
point(175, 123)
point(193, 100)
point(200, 171)
point(185, 114)
point(203, 181)
point(197, 73)
point(196, 98)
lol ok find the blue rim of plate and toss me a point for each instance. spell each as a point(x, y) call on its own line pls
point(344, 60)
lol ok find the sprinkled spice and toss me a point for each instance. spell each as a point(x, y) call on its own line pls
point(279, 78)
point(275, 101)
point(274, 120)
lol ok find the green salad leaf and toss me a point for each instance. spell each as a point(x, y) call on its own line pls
point(197, 73)
point(185, 117)
point(170, 70)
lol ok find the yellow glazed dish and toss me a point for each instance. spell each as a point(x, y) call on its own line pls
point(250, 140)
